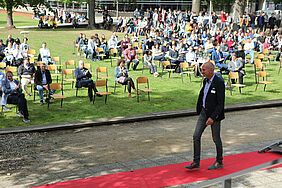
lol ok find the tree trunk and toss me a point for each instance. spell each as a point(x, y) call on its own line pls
point(196, 6)
point(10, 24)
point(238, 8)
point(260, 4)
point(91, 21)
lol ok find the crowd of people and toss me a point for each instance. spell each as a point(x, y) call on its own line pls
point(150, 36)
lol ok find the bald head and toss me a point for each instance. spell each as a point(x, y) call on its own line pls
point(81, 64)
point(208, 70)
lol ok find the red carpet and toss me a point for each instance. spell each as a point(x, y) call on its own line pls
point(169, 175)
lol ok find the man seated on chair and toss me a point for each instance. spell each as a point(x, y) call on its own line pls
point(12, 94)
point(45, 54)
point(42, 80)
point(2, 77)
point(83, 76)
point(131, 56)
point(249, 49)
point(217, 57)
point(235, 65)
point(26, 72)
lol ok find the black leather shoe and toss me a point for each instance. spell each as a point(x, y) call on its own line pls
point(193, 165)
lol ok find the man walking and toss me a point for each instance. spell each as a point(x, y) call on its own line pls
point(210, 106)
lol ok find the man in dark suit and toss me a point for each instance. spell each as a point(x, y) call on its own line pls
point(42, 81)
point(210, 106)
point(83, 76)
point(12, 94)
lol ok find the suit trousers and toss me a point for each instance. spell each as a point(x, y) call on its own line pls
point(91, 86)
point(200, 127)
point(20, 101)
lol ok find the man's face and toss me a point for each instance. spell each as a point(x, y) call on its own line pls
point(44, 45)
point(26, 62)
point(10, 76)
point(42, 67)
point(207, 71)
point(81, 65)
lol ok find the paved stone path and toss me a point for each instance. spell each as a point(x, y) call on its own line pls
point(72, 154)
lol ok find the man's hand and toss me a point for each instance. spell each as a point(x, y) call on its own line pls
point(209, 122)
point(86, 72)
point(18, 86)
point(45, 87)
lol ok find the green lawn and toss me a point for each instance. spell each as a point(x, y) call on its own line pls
point(18, 21)
point(168, 94)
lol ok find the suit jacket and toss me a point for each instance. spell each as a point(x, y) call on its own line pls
point(6, 88)
point(127, 54)
point(214, 100)
point(79, 75)
point(38, 77)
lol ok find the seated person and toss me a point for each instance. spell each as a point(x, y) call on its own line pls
point(8, 51)
point(12, 94)
point(26, 72)
point(157, 53)
point(217, 57)
point(83, 76)
point(113, 43)
point(82, 44)
point(2, 77)
point(191, 58)
point(174, 58)
point(18, 56)
point(240, 54)
point(2, 48)
point(131, 56)
point(42, 80)
point(104, 45)
point(45, 54)
point(235, 65)
point(91, 48)
point(53, 23)
point(121, 76)
point(249, 49)
point(148, 61)
point(25, 47)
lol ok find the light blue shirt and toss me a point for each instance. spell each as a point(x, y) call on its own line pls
point(206, 90)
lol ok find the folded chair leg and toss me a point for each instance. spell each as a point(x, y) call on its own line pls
point(61, 103)
point(182, 78)
point(94, 98)
point(240, 90)
point(48, 105)
point(190, 77)
point(148, 95)
point(264, 87)
point(106, 99)
point(256, 87)
point(230, 90)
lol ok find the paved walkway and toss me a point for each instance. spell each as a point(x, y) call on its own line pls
point(71, 154)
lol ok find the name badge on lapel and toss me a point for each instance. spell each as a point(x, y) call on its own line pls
point(213, 91)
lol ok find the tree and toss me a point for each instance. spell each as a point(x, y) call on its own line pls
point(196, 6)
point(10, 4)
point(238, 8)
point(91, 21)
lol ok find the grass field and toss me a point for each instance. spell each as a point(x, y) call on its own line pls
point(168, 94)
point(18, 21)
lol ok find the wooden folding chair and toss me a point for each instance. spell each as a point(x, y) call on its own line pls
point(186, 66)
point(58, 62)
point(258, 66)
point(103, 71)
point(101, 53)
point(140, 54)
point(3, 65)
point(67, 72)
point(143, 80)
point(112, 52)
point(57, 86)
point(52, 68)
point(101, 83)
point(135, 45)
point(88, 66)
point(235, 76)
point(70, 63)
point(262, 74)
point(31, 52)
point(164, 68)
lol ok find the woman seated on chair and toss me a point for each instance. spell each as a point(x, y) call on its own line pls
point(148, 61)
point(121, 76)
